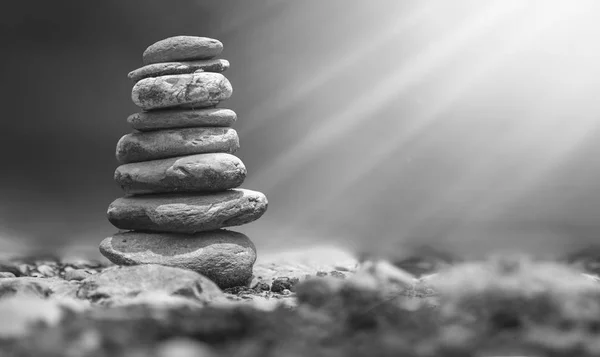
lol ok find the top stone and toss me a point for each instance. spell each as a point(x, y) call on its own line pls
point(182, 48)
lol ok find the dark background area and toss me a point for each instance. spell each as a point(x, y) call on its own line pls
point(364, 123)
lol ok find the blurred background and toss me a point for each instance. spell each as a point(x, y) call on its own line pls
point(369, 124)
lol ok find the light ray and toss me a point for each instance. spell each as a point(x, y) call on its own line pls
point(380, 152)
point(419, 66)
point(294, 92)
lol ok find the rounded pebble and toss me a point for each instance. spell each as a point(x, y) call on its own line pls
point(46, 270)
point(76, 274)
point(136, 147)
point(284, 283)
point(182, 48)
point(163, 69)
point(187, 213)
point(195, 90)
point(182, 118)
point(194, 173)
point(225, 257)
point(113, 285)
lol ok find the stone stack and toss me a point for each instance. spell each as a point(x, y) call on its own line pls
point(177, 169)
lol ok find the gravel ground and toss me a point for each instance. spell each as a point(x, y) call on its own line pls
point(315, 304)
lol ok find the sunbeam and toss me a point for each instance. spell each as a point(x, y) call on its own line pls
point(389, 88)
point(421, 121)
point(291, 93)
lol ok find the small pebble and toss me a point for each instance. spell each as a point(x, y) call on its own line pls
point(283, 283)
point(77, 263)
point(76, 274)
point(341, 268)
point(337, 274)
point(46, 270)
point(261, 286)
point(236, 290)
point(24, 269)
point(10, 268)
point(6, 274)
point(182, 48)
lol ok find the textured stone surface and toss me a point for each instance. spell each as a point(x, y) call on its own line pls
point(163, 69)
point(182, 118)
point(114, 284)
point(193, 173)
point(163, 144)
point(187, 213)
point(225, 257)
point(182, 48)
point(76, 274)
point(195, 90)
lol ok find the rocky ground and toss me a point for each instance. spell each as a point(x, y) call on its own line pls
point(299, 305)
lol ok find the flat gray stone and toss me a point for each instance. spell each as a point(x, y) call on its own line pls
point(163, 144)
point(196, 90)
point(166, 68)
point(225, 257)
point(187, 213)
point(113, 285)
point(76, 274)
point(182, 48)
point(182, 118)
point(193, 173)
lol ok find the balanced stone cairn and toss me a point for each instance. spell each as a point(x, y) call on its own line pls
point(177, 169)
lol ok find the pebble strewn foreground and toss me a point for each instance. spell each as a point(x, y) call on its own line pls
point(178, 171)
point(502, 307)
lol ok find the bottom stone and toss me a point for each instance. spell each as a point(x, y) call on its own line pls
point(226, 257)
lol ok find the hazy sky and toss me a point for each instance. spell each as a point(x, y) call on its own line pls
point(362, 121)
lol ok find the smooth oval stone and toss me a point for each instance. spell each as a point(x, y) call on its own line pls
point(187, 213)
point(182, 118)
point(113, 285)
point(162, 69)
point(223, 256)
point(196, 90)
point(193, 173)
point(163, 144)
point(182, 48)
